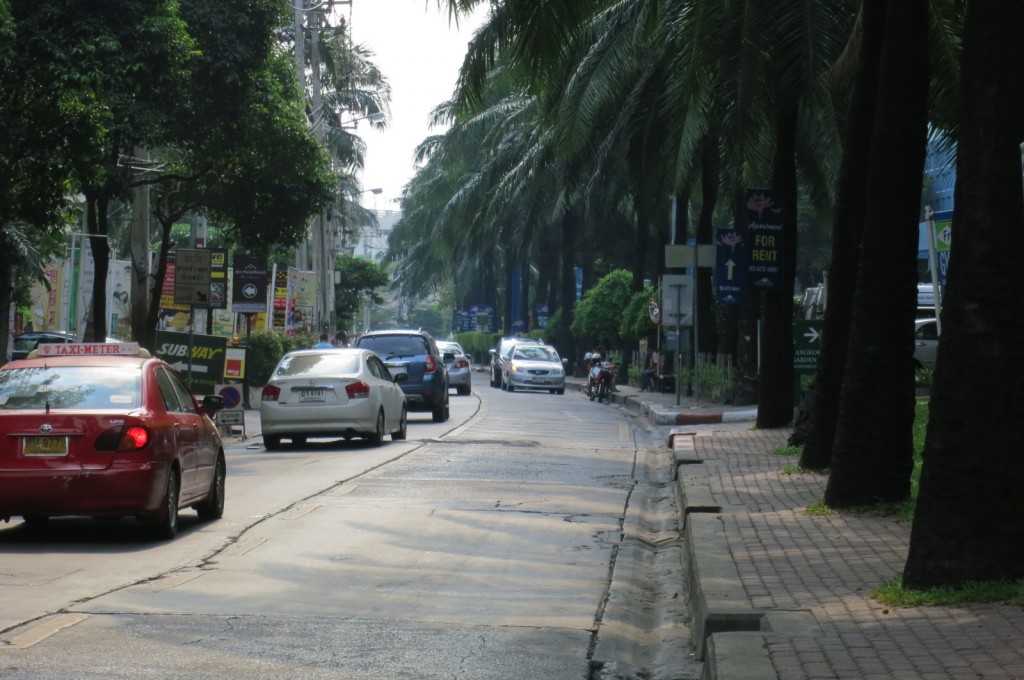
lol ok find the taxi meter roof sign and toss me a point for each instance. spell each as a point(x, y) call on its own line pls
point(88, 348)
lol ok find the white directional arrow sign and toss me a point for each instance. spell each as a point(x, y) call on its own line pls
point(812, 334)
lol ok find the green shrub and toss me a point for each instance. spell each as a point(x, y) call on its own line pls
point(709, 377)
point(265, 349)
point(474, 341)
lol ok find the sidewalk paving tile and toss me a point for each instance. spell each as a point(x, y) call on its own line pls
point(828, 565)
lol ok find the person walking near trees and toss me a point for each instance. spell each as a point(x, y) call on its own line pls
point(651, 367)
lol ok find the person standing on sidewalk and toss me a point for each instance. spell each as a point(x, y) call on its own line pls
point(651, 367)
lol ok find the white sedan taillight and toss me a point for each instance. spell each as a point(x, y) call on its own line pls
point(357, 390)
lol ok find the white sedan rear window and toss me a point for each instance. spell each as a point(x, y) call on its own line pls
point(318, 364)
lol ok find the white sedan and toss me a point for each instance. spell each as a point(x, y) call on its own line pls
point(344, 392)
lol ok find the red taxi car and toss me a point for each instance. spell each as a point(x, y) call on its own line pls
point(106, 430)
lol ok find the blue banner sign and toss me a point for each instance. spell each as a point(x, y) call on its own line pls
point(730, 265)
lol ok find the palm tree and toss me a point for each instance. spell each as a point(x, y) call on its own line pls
point(863, 55)
point(874, 464)
point(968, 524)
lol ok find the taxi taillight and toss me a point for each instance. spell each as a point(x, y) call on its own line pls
point(135, 437)
point(125, 438)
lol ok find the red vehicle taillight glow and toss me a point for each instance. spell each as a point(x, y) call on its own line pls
point(357, 390)
point(270, 393)
point(461, 363)
point(134, 438)
point(124, 438)
point(431, 364)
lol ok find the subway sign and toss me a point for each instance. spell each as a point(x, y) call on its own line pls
point(206, 369)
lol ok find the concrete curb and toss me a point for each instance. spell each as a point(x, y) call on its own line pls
point(726, 629)
point(664, 417)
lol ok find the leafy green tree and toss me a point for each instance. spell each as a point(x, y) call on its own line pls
point(598, 317)
point(237, 146)
point(360, 280)
point(636, 320)
point(48, 131)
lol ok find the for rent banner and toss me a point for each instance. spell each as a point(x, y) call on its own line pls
point(766, 239)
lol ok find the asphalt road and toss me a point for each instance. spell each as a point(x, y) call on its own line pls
point(531, 536)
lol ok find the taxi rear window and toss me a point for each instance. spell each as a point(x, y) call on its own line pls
point(71, 387)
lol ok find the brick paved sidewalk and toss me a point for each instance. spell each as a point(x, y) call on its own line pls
point(788, 561)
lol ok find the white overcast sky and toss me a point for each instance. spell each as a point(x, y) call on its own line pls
point(420, 52)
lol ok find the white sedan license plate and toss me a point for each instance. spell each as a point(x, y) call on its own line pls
point(46, 446)
point(312, 395)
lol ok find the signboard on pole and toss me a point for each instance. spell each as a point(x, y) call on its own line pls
point(766, 239)
point(204, 367)
point(249, 281)
point(677, 300)
point(806, 348)
point(192, 277)
point(218, 279)
point(730, 266)
point(942, 227)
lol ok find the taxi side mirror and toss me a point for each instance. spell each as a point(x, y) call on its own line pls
point(212, 403)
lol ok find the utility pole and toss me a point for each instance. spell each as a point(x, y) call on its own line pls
point(320, 242)
point(142, 273)
point(301, 255)
point(321, 247)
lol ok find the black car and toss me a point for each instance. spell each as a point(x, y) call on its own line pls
point(418, 366)
point(500, 355)
point(26, 342)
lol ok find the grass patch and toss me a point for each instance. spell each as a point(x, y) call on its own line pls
point(819, 509)
point(788, 451)
point(904, 511)
point(894, 594)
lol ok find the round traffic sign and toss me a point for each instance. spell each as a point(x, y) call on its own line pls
point(654, 311)
point(232, 396)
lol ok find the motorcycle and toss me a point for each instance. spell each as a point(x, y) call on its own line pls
point(599, 381)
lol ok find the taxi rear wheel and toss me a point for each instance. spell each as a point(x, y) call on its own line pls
point(165, 526)
point(213, 506)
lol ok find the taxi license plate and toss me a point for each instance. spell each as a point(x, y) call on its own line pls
point(312, 395)
point(45, 446)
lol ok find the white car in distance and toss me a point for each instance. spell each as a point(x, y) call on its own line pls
point(343, 392)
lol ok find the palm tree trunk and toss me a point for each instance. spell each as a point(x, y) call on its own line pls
point(747, 314)
point(6, 300)
point(873, 455)
point(705, 286)
point(820, 429)
point(969, 523)
point(775, 383)
point(567, 304)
